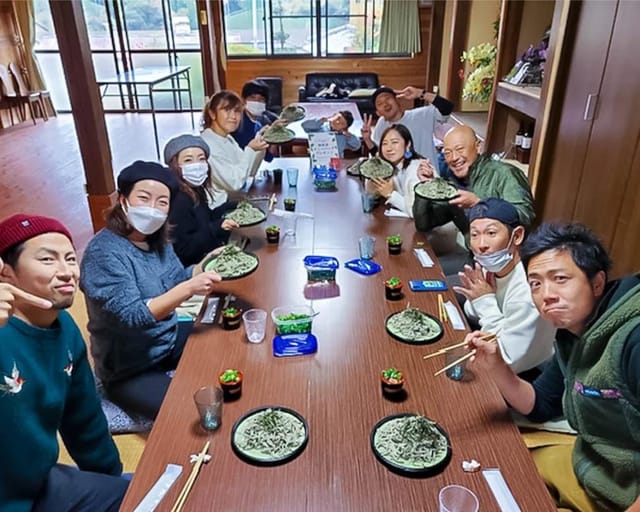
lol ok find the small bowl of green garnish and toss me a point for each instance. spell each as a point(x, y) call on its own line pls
point(293, 319)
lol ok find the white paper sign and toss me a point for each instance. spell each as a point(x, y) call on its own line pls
point(322, 148)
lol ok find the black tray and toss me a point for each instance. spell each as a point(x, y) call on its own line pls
point(407, 471)
point(301, 114)
point(291, 133)
point(410, 341)
point(454, 193)
point(204, 266)
point(269, 462)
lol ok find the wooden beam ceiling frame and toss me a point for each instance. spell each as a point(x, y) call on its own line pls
point(86, 105)
point(457, 44)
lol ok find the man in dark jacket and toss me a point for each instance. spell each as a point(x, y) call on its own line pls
point(477, 177)
point(594, 377)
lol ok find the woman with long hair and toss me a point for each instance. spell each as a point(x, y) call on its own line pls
point(197, 228)
point(396, 147)
point(230, 165)
point(133, 281)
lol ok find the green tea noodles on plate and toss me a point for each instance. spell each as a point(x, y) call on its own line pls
point(245, 214)
point(413, 325)
point(376, 167)
point(232, 262)
point(437, 188)
point(277, 134)
point(292, 113)
point(411, 442)
point(271, 434)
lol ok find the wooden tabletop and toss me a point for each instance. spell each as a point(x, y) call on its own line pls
point(337, 390)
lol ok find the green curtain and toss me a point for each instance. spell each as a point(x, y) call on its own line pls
point(400, 27)
point(26, 24)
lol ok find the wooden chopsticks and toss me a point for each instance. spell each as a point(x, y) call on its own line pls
point(489, 338)
point(272, 201)
point(182, 497)
point(442, 311)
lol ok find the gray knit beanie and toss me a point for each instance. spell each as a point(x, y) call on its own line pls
point(177, 144)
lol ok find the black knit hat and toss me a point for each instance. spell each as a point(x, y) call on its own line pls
point(140, 170)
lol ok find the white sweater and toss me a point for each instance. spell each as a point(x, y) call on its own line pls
point(230, 165)
point(525, 339)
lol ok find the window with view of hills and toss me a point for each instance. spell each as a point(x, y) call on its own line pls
point(313, 28)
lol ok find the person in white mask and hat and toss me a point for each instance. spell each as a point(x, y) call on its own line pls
point(497, 293)
point(133, 281)
point(197, 227)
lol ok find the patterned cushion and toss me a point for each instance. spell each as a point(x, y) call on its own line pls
point(119, 421)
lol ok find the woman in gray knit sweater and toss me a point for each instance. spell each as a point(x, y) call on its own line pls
point(133, 281)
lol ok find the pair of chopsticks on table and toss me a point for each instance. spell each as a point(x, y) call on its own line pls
point(182, 497)
point(442, 311)
point(490, 338)
point(272, 201)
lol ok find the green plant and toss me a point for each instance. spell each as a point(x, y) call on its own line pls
point(272, 229)
point(231, 311)
point(229, 376)
point(479, 83)
point(290, 200)
point(393, 282)
point(392, 375)
point(394, 239)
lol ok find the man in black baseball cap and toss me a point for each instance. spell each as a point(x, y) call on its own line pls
point(498, 297)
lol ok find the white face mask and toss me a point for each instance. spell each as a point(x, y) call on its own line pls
point(496, 261)
point(145, 219)
point(195, 173)
point(256, 107)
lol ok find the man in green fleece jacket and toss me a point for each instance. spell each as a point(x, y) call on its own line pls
point(46, 383)
point(594, 377)
point(476, 177)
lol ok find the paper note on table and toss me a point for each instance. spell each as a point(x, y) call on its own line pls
point(454, 315)
point(322, 148)
point(500, 490)
point(393, 212)
point(424, 258)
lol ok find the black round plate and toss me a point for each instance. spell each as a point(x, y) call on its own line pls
point(269, 462)
point(410, 341)
point(366, 163)
point(454, 193)
point(292, 119)
point(204, 266)
point(290, 133)
point(251, 223)
point(404, 470)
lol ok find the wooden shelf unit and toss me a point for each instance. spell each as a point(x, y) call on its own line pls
point(524, 99)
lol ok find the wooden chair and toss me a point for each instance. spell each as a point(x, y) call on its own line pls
point(23, 95)
point(25, 87)
point(8, 96)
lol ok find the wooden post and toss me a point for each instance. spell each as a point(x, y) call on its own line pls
point(86, 105)
point(458, 43)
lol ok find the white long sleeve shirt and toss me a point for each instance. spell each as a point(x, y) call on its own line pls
point(230, 165)
point(525, 339)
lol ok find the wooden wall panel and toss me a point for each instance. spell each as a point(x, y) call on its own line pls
point(8, 46)
point(395, 72)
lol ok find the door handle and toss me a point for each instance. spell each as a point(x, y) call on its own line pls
point(590, 107)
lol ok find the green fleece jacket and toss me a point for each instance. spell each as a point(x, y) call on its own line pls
point(599, 404)
point(46, 386)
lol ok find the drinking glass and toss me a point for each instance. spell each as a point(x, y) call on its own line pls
point(208, 400)
point(366, 244)
point(456, 498)
point(368, 202)
point(255, 323)
point(292, 176)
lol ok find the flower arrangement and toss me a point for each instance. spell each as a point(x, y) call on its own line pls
point(479, 84)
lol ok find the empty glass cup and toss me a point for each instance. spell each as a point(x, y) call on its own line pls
point(366, 244)
point(255, 323)
point(456, 498)
point(292, 176)
point(208, 400)
point(459, 371)
point(368, 202)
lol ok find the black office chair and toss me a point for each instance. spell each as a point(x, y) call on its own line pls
point(275, 92)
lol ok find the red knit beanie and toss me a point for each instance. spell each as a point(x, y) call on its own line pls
point(20, 227)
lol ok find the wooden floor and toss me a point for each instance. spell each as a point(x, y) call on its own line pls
point(41, 169)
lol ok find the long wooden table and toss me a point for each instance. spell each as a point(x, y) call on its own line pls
point(337, 389)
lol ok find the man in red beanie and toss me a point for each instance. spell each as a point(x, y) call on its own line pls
point(46, 383)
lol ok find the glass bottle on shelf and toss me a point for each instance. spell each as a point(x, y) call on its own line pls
point(526, 148)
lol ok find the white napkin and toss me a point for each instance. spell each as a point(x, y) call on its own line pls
point(454, 315)
point(393, 212)
point(424, 258)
